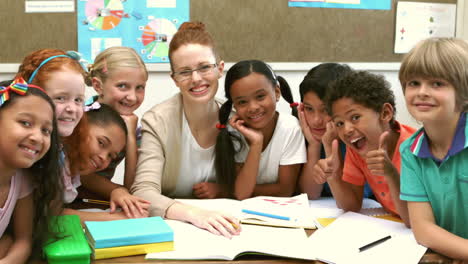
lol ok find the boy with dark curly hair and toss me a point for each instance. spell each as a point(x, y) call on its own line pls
point(362, 107)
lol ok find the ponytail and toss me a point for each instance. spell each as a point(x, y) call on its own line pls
point(225, 152)
point(287, 94)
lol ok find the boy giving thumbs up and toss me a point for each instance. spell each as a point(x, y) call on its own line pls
point(362, 107)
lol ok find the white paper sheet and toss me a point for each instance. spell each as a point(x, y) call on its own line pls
point(416, 21)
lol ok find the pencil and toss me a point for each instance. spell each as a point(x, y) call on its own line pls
point(96, 201)
point(235, 226)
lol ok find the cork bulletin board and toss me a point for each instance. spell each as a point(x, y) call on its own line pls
point(243, 29)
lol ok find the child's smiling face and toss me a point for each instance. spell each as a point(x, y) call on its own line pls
point(254, 99)
point(67, 89)
point(27, 126)
point(431, 100)
point(104, 143)
point(123, 90)
point(358, 126)
point(315, 114)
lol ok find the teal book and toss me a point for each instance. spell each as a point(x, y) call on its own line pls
point(105, 234)
point(69, 244)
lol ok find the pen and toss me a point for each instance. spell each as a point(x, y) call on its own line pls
point(375, 243)
point(96, 201)
point(265, 214)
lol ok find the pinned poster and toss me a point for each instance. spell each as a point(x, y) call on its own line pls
point(144, 25)
point(416, 21)
point(352, 4)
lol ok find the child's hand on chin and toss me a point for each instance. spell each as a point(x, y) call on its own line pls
point(253, 136)
point(131, 121)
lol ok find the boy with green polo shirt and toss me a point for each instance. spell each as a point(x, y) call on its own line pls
point(434, 161)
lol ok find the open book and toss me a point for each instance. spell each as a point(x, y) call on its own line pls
point(284, 242)
point(263, 210)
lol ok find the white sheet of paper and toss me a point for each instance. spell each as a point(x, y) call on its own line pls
point(416, 21)
point(350, 231)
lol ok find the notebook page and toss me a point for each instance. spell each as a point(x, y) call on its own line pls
point(268, 240)
point(351, 231)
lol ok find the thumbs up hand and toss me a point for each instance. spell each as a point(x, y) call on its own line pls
point(377, 160)
point(326, 168)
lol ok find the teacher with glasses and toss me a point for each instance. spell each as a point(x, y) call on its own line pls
point(176, 157)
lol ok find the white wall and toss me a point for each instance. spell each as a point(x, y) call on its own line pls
point(160, 86)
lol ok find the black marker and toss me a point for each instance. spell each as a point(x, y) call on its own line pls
point(375, 243)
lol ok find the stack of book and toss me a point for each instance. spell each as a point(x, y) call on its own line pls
point(128, 237)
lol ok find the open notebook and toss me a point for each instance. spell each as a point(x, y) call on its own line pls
point(294, 211)
point(191, 243)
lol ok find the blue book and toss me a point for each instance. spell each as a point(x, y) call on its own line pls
point(104, 234)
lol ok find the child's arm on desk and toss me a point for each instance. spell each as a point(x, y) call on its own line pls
point(428, 234)
point(94, 216)
point(284, 186)
point(118, 195)
point(131, 149)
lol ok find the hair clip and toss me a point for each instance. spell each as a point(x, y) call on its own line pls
point(294, 104)
point(220, 126)
point(94, 106)
point(104, 68)
point(79, 58)
point(18, 86)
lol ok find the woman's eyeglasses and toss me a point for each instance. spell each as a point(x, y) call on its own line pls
point(203, 70)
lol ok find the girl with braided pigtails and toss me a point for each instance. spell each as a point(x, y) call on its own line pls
point(264, 152)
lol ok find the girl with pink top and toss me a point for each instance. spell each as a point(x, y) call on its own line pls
point(28, 158)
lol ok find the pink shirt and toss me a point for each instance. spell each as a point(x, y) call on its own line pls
point(71, 183)
point(20, 187)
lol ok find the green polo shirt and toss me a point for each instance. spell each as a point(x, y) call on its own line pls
point(442, 183)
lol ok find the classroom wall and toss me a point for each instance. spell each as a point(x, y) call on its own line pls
point(160, 86)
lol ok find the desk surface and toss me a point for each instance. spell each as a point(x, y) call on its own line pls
point(429, 257)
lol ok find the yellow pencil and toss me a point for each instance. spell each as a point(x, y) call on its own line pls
point(235, 226)
point(96, 201)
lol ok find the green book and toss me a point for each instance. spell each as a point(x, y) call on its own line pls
point(70, 246)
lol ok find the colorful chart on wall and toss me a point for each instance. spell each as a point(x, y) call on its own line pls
point(353, 4)
point(416, 21)
point(145, 25)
